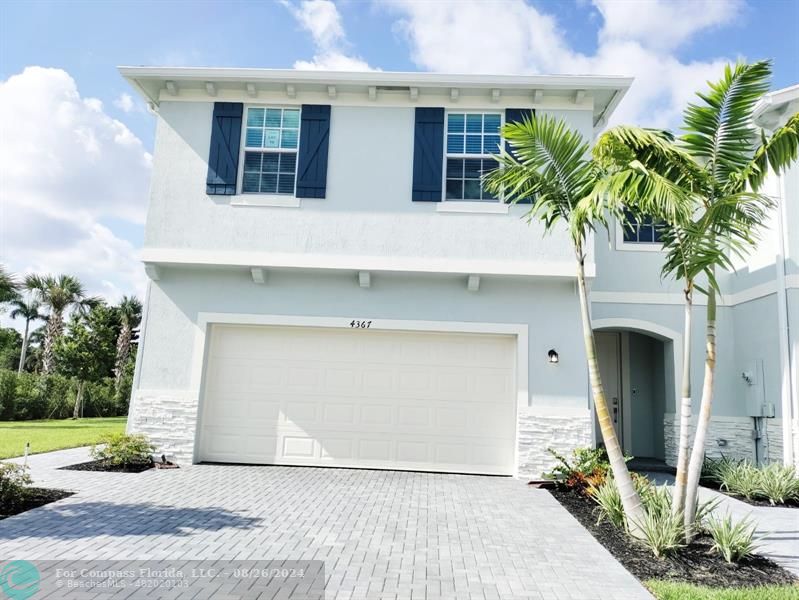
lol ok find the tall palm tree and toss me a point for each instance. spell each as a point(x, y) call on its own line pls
point(58, 293)
point(130, 313)
point(28, 309)
point(8, 286)
point(720, 164)
point(551, 164)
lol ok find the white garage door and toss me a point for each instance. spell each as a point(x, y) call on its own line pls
point(360, 398)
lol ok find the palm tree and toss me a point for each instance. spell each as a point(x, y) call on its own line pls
point(130, 313)
point(8, 286)
point(59, 294)
point(28, 309)
point(35, 348)
point(719, 164)
point(551, 164)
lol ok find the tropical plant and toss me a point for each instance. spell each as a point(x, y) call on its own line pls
point(551, 165)
point(663, 533)
point(778, 483)
point(608, 500)
point(33, 360)
point(741, 479)
point(130, 313)
point(587, 468)
point(87, 350)
point(734, 541)
point(58, 294)
point(123, 449)
point(716, 167)
point(8, 286)
point(14, 482)
point(715, 469)
point(28, 309)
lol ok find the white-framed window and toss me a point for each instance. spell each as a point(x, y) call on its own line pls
point(270, 142)
point(641, 234)
point(471, 139)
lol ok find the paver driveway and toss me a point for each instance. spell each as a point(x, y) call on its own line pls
point(381, 534)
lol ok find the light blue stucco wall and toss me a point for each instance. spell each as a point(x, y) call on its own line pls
point(549, 308)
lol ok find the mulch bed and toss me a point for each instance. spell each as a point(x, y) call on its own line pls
point(102, 465)
point(694, 564)
point(35, 498)
point(708, 483)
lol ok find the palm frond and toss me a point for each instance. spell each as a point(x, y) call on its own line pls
point(776, 152)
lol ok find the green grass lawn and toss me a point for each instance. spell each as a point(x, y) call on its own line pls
point(667, 590)
point(47, 435)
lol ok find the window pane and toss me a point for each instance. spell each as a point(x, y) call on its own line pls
point(455, 123)
point(454, 189)
point(488, 195)
point(252, 161)
point(272, 138)
point(455, 144)
point(285, 183)
point(273, 117)
point(491, 144)
point(455, 168)
point(254, 138)
point(249, 182)
point(658, 234)
point(255, 117)
point(474, 144)
point(271, 160)
point(646, 233)
point(288, 162)
point(630, 233)
point(491, 123)
point(472, 168)
point(288, 138)
point(474, 123)
point(291, 118)
point(269, 183)
point(471, 189)
point(489, 165)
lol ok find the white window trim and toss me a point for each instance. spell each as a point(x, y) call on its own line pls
point(623, 246)
point(473, 206)
point(461, 205)
point(250, 199)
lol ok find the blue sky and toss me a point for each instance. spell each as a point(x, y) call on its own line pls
point(93, 200)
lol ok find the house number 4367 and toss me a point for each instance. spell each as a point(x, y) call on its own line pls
point(360, 324)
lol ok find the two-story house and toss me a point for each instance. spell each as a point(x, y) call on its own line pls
point(330, 284)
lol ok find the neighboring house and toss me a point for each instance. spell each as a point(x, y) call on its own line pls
point(331, 286)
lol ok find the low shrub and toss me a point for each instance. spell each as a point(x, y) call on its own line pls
point(732, 540)
point(122, 449)
point(742, 479)
point(778, 484)
point(14, 482)
point(608, 500)
point(716, 469)
point(663, 532)
point(589, 467)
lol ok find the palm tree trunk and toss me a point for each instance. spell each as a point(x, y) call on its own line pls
point(23, 353)
point(78, 411)
point(633, 509)
point(698, 453)
point(123, 350)
point(680, 481)
point(55, 325)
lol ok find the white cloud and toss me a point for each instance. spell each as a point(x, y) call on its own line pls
point(323, 21)
point(125, 103)
point(67, 167)
point(515, 37)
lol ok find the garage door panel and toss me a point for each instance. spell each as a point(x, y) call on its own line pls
point(376, 399)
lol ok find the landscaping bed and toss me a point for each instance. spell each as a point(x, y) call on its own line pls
point(104, 465)
point(694, 564)
point(713, 485)
point(33, 498)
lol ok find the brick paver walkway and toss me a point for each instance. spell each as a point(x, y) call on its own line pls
point(381, 534)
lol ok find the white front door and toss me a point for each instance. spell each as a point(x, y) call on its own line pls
point(608, 349)
point(359, 398)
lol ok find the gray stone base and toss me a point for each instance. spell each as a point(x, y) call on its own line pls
point(169, 419)
point(539, 431)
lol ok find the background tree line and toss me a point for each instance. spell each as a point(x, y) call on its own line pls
point(78, 362)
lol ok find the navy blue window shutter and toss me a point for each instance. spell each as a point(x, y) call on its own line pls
point(517, 115)
point(314, 141)
point(428, 154)
point(223, 156)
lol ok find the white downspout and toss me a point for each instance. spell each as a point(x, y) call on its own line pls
point(788, 394)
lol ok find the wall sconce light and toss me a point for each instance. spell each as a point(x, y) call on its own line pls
point(553, 357)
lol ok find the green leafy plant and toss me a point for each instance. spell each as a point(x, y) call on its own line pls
point(663, 531)
point(742, 479)
point(716, 469)
point(588, 467)
point(609, 505)
point(14, 482)
point(734, 541)
point(122, 449)
point(777, 483)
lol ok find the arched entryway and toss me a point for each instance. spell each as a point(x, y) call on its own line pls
point(639, 362)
